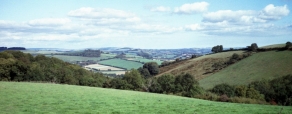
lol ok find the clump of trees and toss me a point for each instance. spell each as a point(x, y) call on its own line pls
point(131, 81)
point(149, 69)
point(288, 45)
point(183, 84)
point(218, 48)
point(145, 55)
point(276, 91)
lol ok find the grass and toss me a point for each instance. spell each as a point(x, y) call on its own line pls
point(146, 60)
point(197, 66)
point(28, 98)
point(263, 65)
point(274, 46)
point(80, 58)
point(122, 63)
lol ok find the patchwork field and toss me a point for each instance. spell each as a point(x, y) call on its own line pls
point(36, 98)
point(114, 72)
point(263, 65)
point(122, 63)
point(145, 60)
point(105, 69)
point(101, 67)
point(80, 58)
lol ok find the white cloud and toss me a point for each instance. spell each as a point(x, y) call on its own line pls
point(151, 28)
point(196, 7)
point(193, 27)
point(271, 12)
point(88, 12)
point(242, 22)
point(240, 16)
point(161, 9)
point(105, 16)
point(49, 22)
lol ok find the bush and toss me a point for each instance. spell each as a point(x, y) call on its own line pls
point(246, 100)
point(254, 94)
point(152, 67)
point(208, 96)
point(282, 90)
point(224, 98)
point(240, 91)
point(166, 83)
point(222, 89)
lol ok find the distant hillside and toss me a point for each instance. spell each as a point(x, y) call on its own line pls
point(28, 98)
point(199, 67)
point(263, 65)
point(274, 46)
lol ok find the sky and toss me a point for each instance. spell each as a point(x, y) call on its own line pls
point(147, 24)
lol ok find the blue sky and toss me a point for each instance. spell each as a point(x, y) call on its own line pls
point(150, 24)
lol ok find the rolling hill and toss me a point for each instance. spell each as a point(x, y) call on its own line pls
point(263, 65)
point(199, 67)
point(27, 98)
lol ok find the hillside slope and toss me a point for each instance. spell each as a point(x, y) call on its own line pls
point(274, 46)
point(200, 67)
point(263, 65)
point(28, 98)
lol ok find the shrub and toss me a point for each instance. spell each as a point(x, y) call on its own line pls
point(152, 67)
point(222, 89)
point(254, 94)
point(240, 91)
point(224, 98)
point(246, 100)
point(167, 83)
point(208, 96)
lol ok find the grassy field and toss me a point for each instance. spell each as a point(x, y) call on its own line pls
point(43, 52)
point(274, 46)
point(114, 72)
point(104, 69)
point(122, 63)
point(263, 65)
point(80, 58)
point(145, 60)
point(36, 98)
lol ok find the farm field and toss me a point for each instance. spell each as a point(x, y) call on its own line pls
point(263, 65)
point(43, 52)
point(105, 69)
point(114, 72)
point(28, 98)
point(145, 60)
point(80, 58)
point(101, 67)
point(122, 63)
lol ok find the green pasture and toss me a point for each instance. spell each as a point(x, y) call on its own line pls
point(263, 65)
point(170, 56)
point(274, 46)
point(45, 98)
point(122, 63)
point(147, 60)
point(80, 58)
